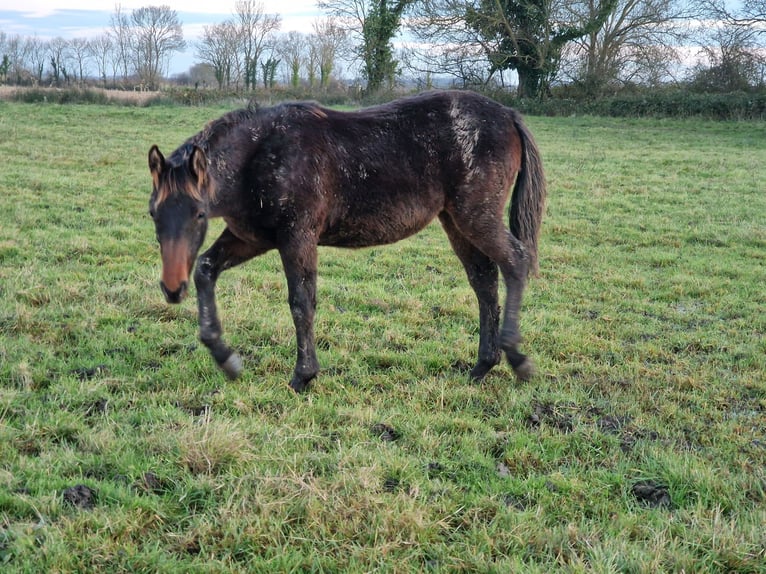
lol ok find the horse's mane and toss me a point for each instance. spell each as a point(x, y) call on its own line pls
point(254, 116)
point(221, 127)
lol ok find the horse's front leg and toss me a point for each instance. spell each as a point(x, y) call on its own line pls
point(226, 252)
point(300, 264)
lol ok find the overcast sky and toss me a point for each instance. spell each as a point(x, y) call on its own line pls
point(47, 19)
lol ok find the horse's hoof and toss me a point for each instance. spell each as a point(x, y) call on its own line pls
point(299, 385)
point(482, 368)
point(525, 370)
point(232, 366)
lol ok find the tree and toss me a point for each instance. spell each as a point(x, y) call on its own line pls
point(329, 40)
point(734, 48)
point(80, 52)
point(121, 34)
point(732, 62)
point(5, 66)
point(374, 23)
point(269, 70)
point(202, 74)
point(255, 28)
point(157, 33)
point(35, 50)
point(58, 54)
point(446, 45)
point(635, 42)
point(102, 51)
point(12, 55)
point(292, 48)
point(218, 48)
point(529, 36)
point(312, 61)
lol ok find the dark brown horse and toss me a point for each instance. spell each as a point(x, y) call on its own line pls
point(296, 175)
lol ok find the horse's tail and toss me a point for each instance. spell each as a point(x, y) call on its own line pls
point(528, 199)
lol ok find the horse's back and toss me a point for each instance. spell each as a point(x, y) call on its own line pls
point(380, 174)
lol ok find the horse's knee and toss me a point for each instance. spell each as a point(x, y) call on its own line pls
point(204, 271)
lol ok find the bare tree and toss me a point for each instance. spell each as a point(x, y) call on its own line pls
point(80, 53)
point(157, 33)
point(123, 38)
point(733, 48)
point(446, 46)
point(218, 47)
point(58, 54)
point(102, 53)
point(255, 29)
point(13, 59)
point(292, 49)
point(312, 61)
point(202, 73)
point(635, 43)
point(331, 43)
point(749, 14)
point(5, 59)
point(36, 51)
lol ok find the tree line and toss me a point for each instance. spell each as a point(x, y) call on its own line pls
point(594, 46)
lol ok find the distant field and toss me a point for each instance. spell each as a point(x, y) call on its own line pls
point(639, 447)
point(127, 97)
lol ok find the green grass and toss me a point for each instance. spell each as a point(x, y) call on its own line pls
point(639, 447)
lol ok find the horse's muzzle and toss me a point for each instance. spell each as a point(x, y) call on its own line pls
point(177, 296)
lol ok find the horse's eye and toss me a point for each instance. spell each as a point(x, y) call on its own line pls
point(201, 215)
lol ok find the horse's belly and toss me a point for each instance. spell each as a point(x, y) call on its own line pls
point(377, 230)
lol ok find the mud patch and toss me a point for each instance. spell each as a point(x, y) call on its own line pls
point(149, 483)
point(97, 407)
point(392, 484)
point(612, 424)
point(622, 426)
point(551, 415)
point(88, 373)
point(80, 496)
point(385, 432)
point(195, 410)
point(651, 494)
point(520, 502)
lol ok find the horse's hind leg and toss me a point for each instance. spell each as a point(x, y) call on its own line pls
point(510, 255)
point(499, 245)
point(483, 277)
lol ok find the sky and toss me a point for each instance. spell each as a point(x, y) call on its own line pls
point(48, 19)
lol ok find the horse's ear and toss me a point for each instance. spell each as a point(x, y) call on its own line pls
point(156, 164)
point(156, 160)
point(198, 165)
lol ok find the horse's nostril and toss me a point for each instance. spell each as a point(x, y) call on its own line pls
point(174, 296)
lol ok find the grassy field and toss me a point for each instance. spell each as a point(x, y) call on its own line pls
point(639, 447)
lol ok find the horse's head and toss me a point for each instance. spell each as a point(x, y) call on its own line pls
point(178, 206)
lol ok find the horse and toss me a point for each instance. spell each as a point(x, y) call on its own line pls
point(297, 175)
